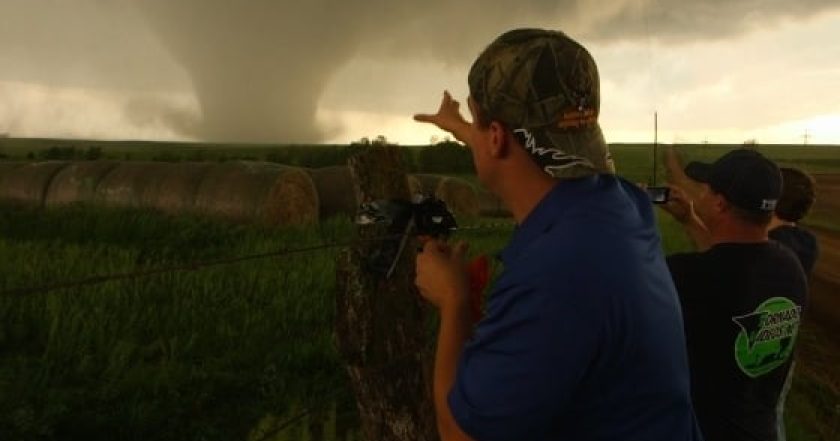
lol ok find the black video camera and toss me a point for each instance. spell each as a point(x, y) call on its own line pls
point(659, 195)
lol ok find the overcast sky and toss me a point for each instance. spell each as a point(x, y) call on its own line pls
point(335, 71)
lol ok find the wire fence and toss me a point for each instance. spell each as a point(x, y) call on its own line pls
point(313, 413)
point(300, 417)
point(200, 265)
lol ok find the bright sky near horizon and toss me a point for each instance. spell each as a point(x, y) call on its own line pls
point(324, 71)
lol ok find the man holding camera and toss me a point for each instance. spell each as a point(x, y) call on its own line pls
point(742, 296)
point(582, 337)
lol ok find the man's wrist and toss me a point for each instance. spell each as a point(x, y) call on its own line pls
point(455, 307)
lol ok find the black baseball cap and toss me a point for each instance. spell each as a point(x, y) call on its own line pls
point(744, 177)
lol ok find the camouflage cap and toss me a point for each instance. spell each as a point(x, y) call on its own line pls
point(544, 86)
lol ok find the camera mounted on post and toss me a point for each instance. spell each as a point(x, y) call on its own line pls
point(425, 216)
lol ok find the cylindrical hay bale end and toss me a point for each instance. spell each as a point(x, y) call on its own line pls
point(335, 191)
point(28, 182)
point(459, 195)
point(292, 200)
point(77, 182)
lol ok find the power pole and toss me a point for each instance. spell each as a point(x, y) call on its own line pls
point(655, 145)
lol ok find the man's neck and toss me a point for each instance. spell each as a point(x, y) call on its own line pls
point(777, 222)
point(524, 193)
point(738, 232)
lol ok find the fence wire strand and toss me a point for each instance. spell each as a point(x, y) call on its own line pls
point(200, 265)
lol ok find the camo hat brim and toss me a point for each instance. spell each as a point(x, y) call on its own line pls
point(545, 87)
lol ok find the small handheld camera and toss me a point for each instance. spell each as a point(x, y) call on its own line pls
point(425, 216)
point(659, 195)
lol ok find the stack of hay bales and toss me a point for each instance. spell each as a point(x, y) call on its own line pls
point(175, 187)
point(27, 183)
point(124, 185)
point(77, 182)
point(265, 193)
point(244, 191)
point(167, 187)
point(269, 193)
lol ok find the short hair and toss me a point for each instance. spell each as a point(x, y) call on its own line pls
point(797, 194)
point(752, 217)
point(482, 116)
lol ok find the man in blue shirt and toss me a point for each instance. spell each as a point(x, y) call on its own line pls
point(582, 337)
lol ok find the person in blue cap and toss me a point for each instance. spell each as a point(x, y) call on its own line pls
point(582, 337)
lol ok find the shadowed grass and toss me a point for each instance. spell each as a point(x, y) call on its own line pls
point(227, 352)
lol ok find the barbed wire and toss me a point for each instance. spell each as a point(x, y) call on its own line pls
point(199, 265)
point(190, 266)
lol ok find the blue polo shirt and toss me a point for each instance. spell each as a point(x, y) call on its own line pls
point(582, 337)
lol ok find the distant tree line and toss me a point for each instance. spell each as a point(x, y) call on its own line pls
point(443, 156)
point(67, 153)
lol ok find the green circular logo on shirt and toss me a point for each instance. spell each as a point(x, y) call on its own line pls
point(767, 336)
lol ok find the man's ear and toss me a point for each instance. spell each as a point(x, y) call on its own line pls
point(499, 140)
point(721, 205)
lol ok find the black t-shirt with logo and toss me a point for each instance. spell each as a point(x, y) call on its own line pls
point(742, 305)
point(802, 242)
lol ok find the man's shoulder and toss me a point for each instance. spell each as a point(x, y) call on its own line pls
point(768, 260)
point(778, 252)
point(801, 241)
point(689, 270)
point(781, 262)
point(683, 259)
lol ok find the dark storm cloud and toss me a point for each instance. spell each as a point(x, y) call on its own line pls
point(676, 21)
point(259, 67)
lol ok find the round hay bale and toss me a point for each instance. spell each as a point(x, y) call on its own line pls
point(490, 205)
point(124, 185)
point(28, 183)
point(336, 194)
point(268, 193)
point(77, 182)
point(174, 187)
point(459, 195)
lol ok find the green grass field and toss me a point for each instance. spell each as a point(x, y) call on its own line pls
point(220, 353)
point(208, 354)
point(228, 352)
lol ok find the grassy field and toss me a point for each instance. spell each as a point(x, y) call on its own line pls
point(229, 352)
point(222, 353)
point(197, 355)
point(211, 354)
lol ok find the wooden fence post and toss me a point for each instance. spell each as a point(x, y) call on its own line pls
point(381, 324)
